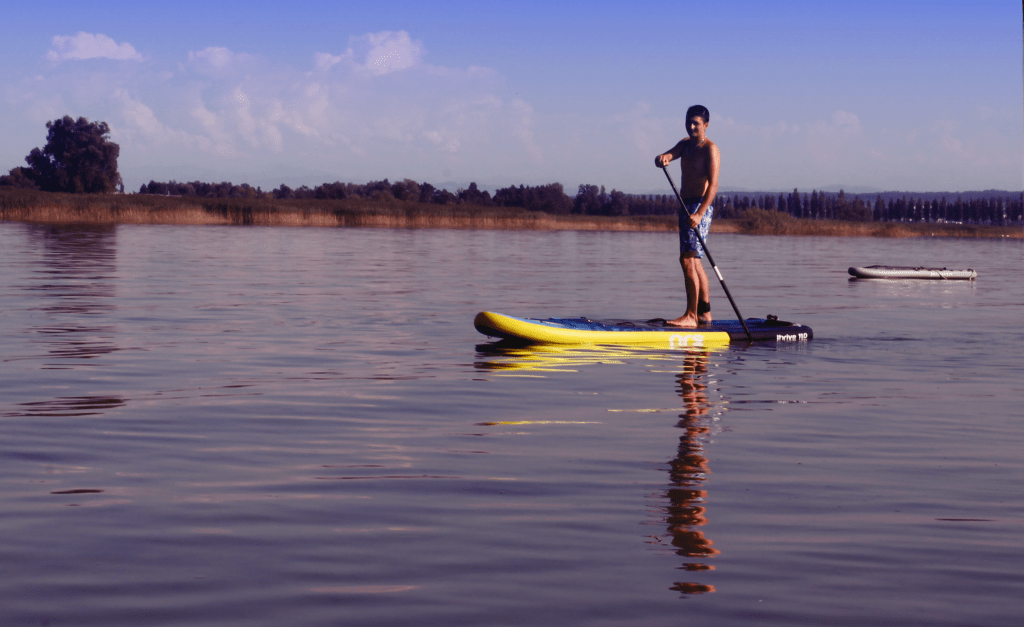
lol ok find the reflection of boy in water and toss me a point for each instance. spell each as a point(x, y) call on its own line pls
point(687, 471)
point(699, 164)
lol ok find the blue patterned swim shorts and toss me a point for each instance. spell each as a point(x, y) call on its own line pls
point(687, 238)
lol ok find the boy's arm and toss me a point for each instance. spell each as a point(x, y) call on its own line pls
point(666, 158)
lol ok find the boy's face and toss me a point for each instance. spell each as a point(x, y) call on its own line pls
point(696, 125)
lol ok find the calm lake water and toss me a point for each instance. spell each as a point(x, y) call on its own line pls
point(261, 426)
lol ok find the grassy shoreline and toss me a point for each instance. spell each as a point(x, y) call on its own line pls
point(50, 208)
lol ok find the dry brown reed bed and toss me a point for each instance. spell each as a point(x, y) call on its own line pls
point(39, 207)
point(24, 206)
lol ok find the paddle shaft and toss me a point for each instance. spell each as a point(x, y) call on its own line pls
point(711, 260)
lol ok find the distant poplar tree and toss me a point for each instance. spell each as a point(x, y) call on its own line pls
point(794, 203)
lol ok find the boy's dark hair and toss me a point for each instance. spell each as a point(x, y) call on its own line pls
point(700, 110)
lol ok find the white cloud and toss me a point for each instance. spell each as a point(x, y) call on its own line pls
point(216, 58)
point(325, 61)
point(387, 52)
point(90, 46)
point(377, 54)
point(443, 140)
point(521, 123)
point(218, 140)
point(845, 118)
point(218, 62)
point(141, 118)
point(139, 129)
point(372, 110)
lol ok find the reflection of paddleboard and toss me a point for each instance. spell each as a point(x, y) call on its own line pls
point(909, 272)
point(636, 333)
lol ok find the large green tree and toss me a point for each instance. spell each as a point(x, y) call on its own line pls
point(78, 157)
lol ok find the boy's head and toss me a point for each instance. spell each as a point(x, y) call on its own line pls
point(700, 110)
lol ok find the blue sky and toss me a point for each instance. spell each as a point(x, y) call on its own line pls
point(898, 95)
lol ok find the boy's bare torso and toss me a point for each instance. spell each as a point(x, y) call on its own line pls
point(695, 166)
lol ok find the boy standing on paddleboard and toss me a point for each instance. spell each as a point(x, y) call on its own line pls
point(699, 161)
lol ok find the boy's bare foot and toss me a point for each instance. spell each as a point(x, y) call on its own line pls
point(684, 322)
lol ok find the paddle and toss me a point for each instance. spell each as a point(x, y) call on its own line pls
point(711, 260)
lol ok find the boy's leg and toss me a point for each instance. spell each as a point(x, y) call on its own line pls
point(698, 292)
point(693, 270)
point(703, 293)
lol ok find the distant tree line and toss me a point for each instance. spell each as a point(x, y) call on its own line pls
point(407, 190)
point(79, 157)
point(997, 208)
point(549, 198)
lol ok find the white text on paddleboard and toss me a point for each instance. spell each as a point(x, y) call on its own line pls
point(795, 337)
point(685, 341)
